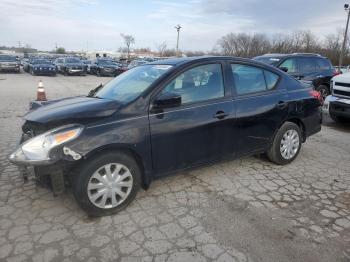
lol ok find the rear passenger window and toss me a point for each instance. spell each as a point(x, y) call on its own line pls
point(250, 79)
point(271, 79)
point(307, 64)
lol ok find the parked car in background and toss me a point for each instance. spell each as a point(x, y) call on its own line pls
point(163, 117)
point(337, 105)
point(70, 66)
point(104, 67)
point(135, 63)
point(10, 63)
point(87, 63)
point(24, 64)
point(343, 69)
point(41, 67)
point(314, 68)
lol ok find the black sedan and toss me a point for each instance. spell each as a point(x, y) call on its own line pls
point(104, 67)
point(40, 67)
point(70, 66)
point(164, 117)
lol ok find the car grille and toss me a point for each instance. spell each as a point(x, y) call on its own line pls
point(342, 84)
point(341, 92)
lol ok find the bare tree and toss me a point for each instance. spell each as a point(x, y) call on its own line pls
point(128, 40)
point(161, 48)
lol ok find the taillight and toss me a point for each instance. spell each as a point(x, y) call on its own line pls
point(317, 95)
point(336, 72)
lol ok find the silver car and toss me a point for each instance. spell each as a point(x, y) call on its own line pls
point(9, 63)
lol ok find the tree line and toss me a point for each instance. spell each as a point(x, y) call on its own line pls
point(251, 45)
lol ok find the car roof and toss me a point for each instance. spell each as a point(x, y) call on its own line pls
point(292, 55)
point(184, 60)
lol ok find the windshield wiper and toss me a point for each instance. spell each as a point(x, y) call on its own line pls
point(94, 91)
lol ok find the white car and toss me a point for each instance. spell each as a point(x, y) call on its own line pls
point(337, 105)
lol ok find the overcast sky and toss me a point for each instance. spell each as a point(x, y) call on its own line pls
point(96, 25)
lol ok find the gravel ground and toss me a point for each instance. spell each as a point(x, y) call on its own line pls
point(241, 210)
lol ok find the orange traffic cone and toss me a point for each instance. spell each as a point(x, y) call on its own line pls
point(41, 95)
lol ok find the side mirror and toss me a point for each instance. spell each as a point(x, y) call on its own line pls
point(284, 69)
point(167, 100)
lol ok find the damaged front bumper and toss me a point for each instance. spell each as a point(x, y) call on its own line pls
point(48, 154)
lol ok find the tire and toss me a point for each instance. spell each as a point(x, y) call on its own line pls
point(324, 91)
point(274, 153)
point(32, 72)
point(98, 72)
point(339, 119)
point(87, 175)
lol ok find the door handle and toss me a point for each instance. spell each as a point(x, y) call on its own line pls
point(220, 115)
point(282, 104)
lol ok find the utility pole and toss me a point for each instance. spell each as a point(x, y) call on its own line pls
point(346, 7)
point(178, 27)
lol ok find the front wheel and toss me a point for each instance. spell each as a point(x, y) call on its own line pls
point(339, 119)
point(286, 144)
point(107, 183)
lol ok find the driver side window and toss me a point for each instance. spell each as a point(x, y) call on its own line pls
point(290, 64)
point(198, 84)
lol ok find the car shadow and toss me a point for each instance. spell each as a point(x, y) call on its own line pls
point(344, 127)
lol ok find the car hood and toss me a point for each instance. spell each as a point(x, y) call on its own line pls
point(9, 62)
point(74, 64)
point(43, 65)
point(77, 108)
point(108, 66)
point(342, 77)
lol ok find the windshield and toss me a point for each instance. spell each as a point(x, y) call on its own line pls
point(7, 58)
point(41, 61)
point(268, 60)
point(132, 83)
point(72, 60)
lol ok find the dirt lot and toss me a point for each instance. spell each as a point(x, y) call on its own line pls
point(241, 210)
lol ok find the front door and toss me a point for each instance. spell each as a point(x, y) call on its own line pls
point(199, 130)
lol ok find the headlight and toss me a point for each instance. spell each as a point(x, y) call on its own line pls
point(331, 86)
point(37, 149)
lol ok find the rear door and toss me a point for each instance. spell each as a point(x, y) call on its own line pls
point(261, 106)
point(307, 68)
point(202, 128)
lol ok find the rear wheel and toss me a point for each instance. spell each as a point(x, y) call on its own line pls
point(324, 91)
point(286, 144)
point(107, 183)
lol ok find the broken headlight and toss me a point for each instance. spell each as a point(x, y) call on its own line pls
point(37, 149)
